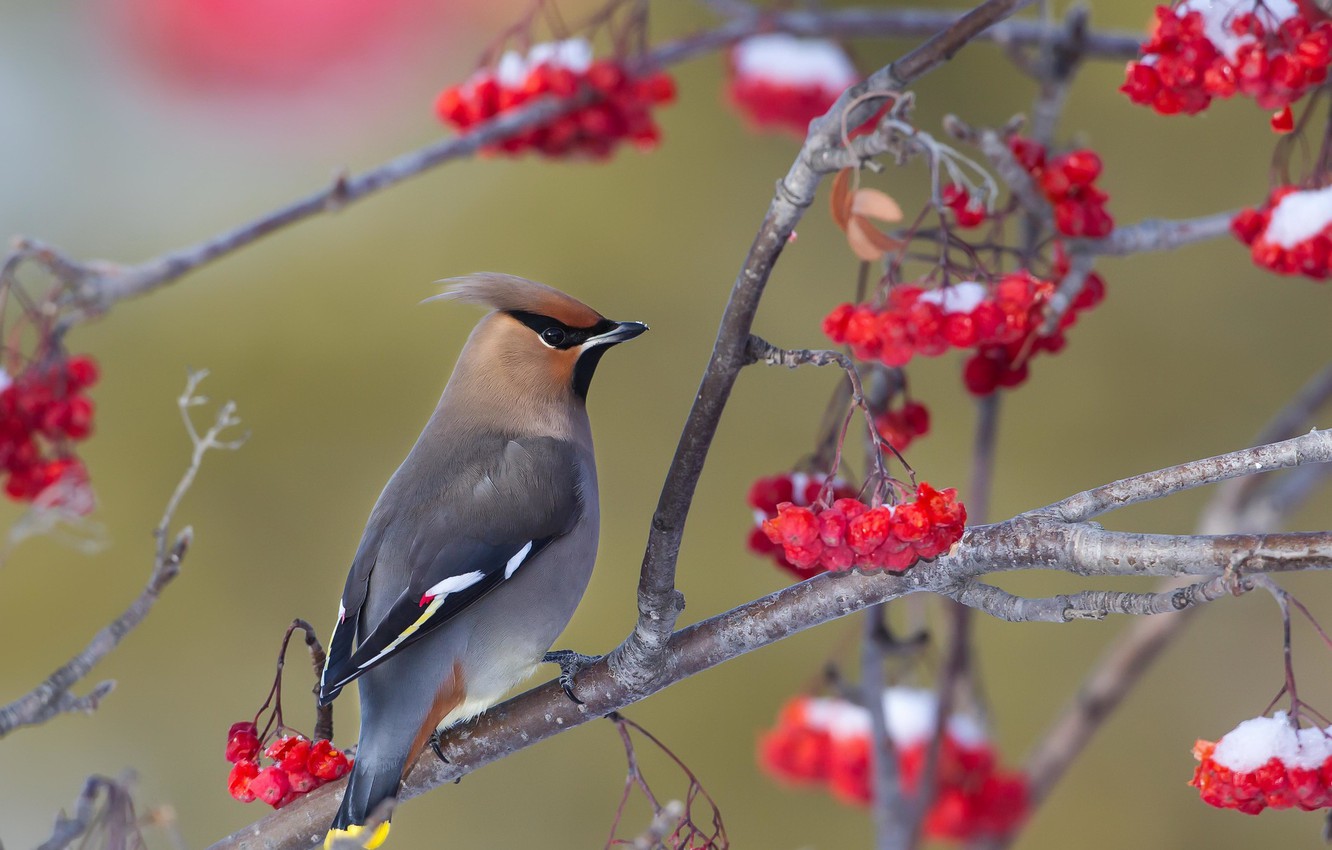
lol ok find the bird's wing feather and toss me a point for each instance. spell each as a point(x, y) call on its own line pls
point(464, 548)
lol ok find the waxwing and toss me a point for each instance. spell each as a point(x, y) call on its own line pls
point(481, 544)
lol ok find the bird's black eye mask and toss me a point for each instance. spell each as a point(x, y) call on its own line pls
point(556, 334)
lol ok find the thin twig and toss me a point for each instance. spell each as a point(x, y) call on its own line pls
point(112, 820)
point(1087, 605)
point(53, 696)
point(1238, 504)
point(1314, 447)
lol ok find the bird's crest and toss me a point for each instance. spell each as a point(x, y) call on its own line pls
point(510, 293)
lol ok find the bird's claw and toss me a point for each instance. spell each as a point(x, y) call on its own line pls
point(434, 745)
point(571, 664)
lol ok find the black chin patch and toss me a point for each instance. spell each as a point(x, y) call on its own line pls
point(583, 369)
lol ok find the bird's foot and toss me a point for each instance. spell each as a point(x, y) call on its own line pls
point(571, 664)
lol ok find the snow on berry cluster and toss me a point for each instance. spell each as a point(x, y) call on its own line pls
point(1266, 762)
point(852, 534)
point(562, 68)
point(1270, 50)
point(298, 766)
point(904, 424)
point(783, 82)
point(796, 488)
point(43, 412)
point(828, 742)
point(1291, 233)
point(1003, 322)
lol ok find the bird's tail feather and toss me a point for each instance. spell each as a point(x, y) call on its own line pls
point(370, 784)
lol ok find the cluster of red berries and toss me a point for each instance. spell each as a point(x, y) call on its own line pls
point(42, 412)
point(622, 111)
point(852, 534)
point(1068, 183)
point(1291, 233)
point(1266, 763)
point(1271, 50)
point(929, 322)
point(1003, 323)
point(904, 424)
point(796, 488)
point(298, 766)
point(784, 82)
point(828, 742)
point(1007, 364)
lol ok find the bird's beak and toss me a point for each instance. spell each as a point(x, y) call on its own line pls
point(621, 332)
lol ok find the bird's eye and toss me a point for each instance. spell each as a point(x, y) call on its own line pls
point(554, 337)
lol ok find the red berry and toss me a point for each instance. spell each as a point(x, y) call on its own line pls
point(850, 508)
point(1030, 154)
point(917, 417)
point(959, 329)
point(1081, 167)
point(239, 782)
point(767, 493)
point(326, 762)
point(910, 522)
point(1054, 180)
point(834, 324)
point(242, 742)
point(793, 526)
point(82, 372)
point(290, 752)
point(270, 786)
point(1283, 121)
point(301, 782)
point(980, 375)
point(868, 531)
point(76, 417)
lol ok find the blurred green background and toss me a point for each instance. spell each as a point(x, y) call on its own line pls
point(317, 334)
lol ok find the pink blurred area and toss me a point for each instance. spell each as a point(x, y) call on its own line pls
point(283, 51)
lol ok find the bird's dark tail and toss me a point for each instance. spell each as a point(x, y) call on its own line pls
point(370, 784)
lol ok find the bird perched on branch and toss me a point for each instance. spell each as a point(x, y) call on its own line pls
point(481, 544)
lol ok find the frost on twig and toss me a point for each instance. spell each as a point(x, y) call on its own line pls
point(53, 696)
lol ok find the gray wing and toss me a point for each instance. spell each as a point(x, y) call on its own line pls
point(492, 513)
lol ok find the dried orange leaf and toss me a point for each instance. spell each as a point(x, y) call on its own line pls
point(881, 240)
point(875, 204)
point(867, 242)
point(841, 198)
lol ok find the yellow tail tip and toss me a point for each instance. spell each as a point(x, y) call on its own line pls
point(353, 833)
